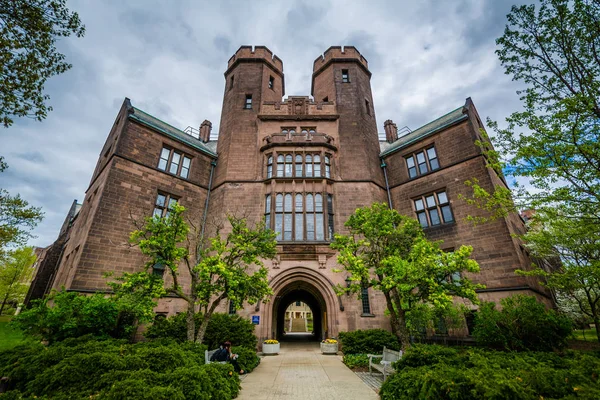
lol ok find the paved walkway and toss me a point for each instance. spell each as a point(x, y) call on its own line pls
point(301, 372)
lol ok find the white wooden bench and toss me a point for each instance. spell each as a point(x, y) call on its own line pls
point(385, 365)
point(208, 354)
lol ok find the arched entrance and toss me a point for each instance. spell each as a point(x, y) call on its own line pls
point(308, 286)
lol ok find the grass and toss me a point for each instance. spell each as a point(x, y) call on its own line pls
point(9, 337)
point(590, 335)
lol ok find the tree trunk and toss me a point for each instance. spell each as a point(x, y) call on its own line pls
point(3, 303)
point(206, 317)
point(393, 317)
point(191, 323)
point(403, 330)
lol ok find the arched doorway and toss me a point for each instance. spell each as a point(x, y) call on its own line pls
point(304, 292)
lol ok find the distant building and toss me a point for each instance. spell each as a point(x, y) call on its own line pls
point(302, 163)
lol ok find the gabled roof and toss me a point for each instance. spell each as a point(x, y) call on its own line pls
point(152, 122)
point(428, 129)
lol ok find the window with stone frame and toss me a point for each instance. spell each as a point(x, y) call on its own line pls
point(433, 209)
point(174, 162)
point(163, 204)
point(327, 166)
point(345, 76)
point(269, 166)
point(422, 162)
point(300, 216)
point(364, 298)
point(300, 165)
point(271, 82)
point(232, 309)
point(308, 131)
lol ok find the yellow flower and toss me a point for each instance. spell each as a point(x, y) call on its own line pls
point(575, 388)
point(270, 341)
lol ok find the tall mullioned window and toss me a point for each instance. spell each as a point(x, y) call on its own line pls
point(300, 166)
point(364, 298)
point(433, 209)
point(164, 203)
point(300, 216)
point(422, 162)
point(174, 162)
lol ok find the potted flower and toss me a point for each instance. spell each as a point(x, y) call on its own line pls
point(270, 346)
point(329, 346)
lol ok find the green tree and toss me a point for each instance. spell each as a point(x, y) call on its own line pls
point(29, 30)
point(15, 275)
point(389, 252)
point(17, 218)
point(220, 268)
point(575, 274)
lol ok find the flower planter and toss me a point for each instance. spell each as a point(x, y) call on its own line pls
point(270, 349)
point(329, 348)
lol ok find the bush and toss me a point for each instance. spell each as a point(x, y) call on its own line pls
point(428, 371)
point(248, 359)
point(221, 327)
point(73, 315)
point(356, 361)
point(86, 368)
point(522, 324)
point(370, 341)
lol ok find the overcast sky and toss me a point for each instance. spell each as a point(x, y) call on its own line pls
point(168, 57)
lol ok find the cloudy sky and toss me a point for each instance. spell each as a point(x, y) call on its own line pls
point(168, 57)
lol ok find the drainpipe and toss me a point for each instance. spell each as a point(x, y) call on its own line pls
point(387, 184)
point(213, 164)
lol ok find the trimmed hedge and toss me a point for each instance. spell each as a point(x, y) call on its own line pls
point(84, 368)
point(370, 341)
point(248, 359)
point(436, 372)
point(356, 360)
point(221, 328)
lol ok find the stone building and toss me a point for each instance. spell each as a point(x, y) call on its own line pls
point(304, 163)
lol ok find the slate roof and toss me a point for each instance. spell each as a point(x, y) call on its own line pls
point(169, 130)
point(428, 129)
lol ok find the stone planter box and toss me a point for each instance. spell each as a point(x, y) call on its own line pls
point(329, 348)
point(270, 349)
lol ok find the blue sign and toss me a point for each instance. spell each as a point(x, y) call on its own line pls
point(256, 319)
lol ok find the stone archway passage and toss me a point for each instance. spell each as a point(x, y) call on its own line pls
point(305, 292)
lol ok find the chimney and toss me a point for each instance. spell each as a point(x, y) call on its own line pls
point(391, 131)
point(205, 129)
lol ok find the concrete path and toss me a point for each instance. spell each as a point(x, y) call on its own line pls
point(301, 372)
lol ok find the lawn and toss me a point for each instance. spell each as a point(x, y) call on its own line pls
point(590, 335)
point(9, 337)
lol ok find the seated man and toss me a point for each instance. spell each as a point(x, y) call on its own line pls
point(225, 354)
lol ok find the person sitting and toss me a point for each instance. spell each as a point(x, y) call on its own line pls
point(225, 354)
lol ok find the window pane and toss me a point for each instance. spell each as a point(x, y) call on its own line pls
point(278, 225)
point(268, 221)
point(288, 158)
point(330, 226)
point(317, 158)
point(310, 227)
point(172, 202)
point(280, 158)
point(268, 204)
point(412, 172)
point(162, 164)
point(299, 231)
point(317, 170)
point(422, 219)
point(160, 200)
point(186, 162)
point(269, 171)
point(434, 216)
point(312, 131)
point(175, 163)
point(157, 212)
point(288, 170)
point(292, 131)
point(447, 213)
point(327, 160)
point(309, 203)
point(184, 172)
point(431, 153)
point(330, 204)
point(279, 169)
point(285, 131)
point(423, 168)
point(364, 298)
point(270, 160)
point(298, 203)
point(304, 132)
point(442, 197)
point(288, 203)
point(420, 158)
point(327, 171)
point(318, 202)
point(279, 203)
point(309, 170)
point(287, 223)
point(308, 158)
point(419, 204)
point(320, 227)
point(298, 158)
point(410, 162)
point(434, 163)
point(165, 153)
point(430, 201)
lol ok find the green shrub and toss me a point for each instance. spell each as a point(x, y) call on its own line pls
point(221, 327)
point(522, 324)
point(370, 341)
point(248, 359)
point(113, 369)
point(73, 315)
point(436, 372)
point(356, 360)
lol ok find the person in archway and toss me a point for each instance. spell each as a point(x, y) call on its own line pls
point(225, 354)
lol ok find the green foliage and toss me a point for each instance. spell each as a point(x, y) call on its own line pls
point(221, 328)
point(389, 252)
point(248, 359)
point(84, 368)
point(17, 217)
point(369, 341)
point(435, 372)
point(522, 324)
point(72, 315)
point(356, 360)
point(29, 30)
point(15, 275)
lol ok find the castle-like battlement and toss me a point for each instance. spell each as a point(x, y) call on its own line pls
point(337, 52)
point(256, 52)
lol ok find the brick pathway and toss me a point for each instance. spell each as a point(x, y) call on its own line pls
point(301, 372)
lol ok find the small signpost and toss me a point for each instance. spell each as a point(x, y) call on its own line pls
point(256, 319)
